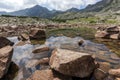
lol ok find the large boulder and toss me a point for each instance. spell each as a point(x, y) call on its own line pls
point(72, 63)
point(5, 42)
point(5, 59)
point(37, 34)
point(48, 75)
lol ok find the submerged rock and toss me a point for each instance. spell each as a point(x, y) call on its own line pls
point(5, 59)
point(72, 63)
point(41, 49)
point(115, 72)
point(48, 75)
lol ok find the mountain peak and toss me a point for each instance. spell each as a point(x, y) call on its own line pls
point(73, 10)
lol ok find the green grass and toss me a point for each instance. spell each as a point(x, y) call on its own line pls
point(85, 32)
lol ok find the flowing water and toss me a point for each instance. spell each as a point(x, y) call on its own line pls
point(23, 54)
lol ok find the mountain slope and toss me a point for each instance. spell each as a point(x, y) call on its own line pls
point(36, 11)
point(72, 10)
point(104, 6)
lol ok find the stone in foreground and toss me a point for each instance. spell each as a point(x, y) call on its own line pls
point(5, 59)
point(72, 63)
point(48, 75)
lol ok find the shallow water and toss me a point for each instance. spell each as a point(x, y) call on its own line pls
point(23, 54)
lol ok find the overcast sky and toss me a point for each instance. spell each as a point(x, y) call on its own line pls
point(13, 5)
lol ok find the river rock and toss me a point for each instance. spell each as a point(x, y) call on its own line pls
point(102, 34)
point(44, 61)
point(37, 34)
point(5, 42)
point(5, 59)
point(48, 75)
point(80, 42)
point(114, 72)
point(99, 75)
point(41, 52)
point(23, 37)
point(101, 72)
point(104, 66)
point(115, 36)
point(12, 71)
point(72, 63)
point(113, 30)
point(40, 49)
point(117, 79)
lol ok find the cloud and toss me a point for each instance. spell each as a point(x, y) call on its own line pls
point(13, 5)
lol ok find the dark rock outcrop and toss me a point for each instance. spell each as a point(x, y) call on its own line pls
point(37, 34)
point(5, 42)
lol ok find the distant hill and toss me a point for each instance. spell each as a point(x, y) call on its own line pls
point(36, 11)
point(2, 12)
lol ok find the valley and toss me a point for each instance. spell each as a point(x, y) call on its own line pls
point(76, 44)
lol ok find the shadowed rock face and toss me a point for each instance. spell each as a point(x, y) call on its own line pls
point(4, 42)
point(13, 69)
point(72, 63)
point(5, 59)
point(37, 34)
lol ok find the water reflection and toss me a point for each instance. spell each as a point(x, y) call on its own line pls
point(26, 60)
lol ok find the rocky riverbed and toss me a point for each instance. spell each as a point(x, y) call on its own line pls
point(56, 58)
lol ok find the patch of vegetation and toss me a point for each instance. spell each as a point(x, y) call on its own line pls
point(85, 32)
